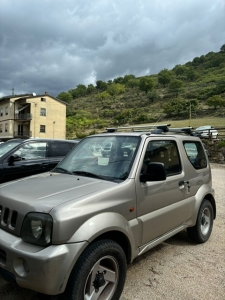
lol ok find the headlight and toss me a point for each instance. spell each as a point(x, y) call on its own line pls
point(37, 229)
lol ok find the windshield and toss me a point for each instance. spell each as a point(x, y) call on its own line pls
point(7, 146)
point(106, 157)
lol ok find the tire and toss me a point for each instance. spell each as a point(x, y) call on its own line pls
point(201, 232)
point(99, 273)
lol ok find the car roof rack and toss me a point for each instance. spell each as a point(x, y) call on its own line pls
point(185, 130)
point(153, 129)
point(141, 128)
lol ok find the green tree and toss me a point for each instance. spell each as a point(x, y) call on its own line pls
point(191, 74)
point(101, 85)
point(175, 107)
point(141, 118)
point(146, 84)
point(164, 77)
point(66, 97)
point(127, 78)
point(90, 89)
point(152, 95)
point(119, 80)
point(123, 116)
point(191, 106)
point(79, 91)
point(222, 48)
point(132, 83)
point(180, 70)
point(103, 96)
point(216, 101)
point(115, 89)
point(176, 86)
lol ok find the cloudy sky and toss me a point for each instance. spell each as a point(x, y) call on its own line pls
point(54, 45)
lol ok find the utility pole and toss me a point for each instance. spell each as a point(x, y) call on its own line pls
point(190, 114)
point(53, 129)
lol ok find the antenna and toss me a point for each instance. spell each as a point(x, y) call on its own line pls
point(13, 90)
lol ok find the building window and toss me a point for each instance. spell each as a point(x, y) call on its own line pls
point(1, 112)
point(6, 127)
point(43, 99)
point(0, 127)
point(43, 112)
point(42, 128)
point(6, 110)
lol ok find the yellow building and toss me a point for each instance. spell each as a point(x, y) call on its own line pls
point(31, 115)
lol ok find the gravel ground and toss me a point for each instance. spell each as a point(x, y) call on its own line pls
point(176, 269)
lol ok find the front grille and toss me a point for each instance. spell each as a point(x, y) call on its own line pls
point(8, 218)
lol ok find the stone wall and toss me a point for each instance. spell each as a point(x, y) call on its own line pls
point(216, 155)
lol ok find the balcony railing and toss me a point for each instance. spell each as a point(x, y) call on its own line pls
point(23, 116)
point(22, 134)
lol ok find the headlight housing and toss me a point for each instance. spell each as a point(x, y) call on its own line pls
point(37, 229)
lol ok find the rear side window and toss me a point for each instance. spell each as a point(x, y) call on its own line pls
point(59, 149)
point(196, 154)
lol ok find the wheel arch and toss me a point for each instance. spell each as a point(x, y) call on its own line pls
point(211, 199)
point(203, 194)
point(110, 225)
point(120, 238)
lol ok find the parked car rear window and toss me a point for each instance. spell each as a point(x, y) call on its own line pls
point(59, 149)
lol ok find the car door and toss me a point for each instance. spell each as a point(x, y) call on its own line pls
point(57, 150)
point(162, 205)
point(29, 159)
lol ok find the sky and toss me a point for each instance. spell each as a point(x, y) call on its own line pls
point(54, 45)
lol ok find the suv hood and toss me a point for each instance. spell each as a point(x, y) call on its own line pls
point(45, 191)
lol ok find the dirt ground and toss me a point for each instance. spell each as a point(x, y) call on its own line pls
point(177, 269)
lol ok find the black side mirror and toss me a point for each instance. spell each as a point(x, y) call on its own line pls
point(155, 172)
point(14, 158)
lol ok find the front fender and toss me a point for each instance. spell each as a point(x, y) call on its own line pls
point(108, 222)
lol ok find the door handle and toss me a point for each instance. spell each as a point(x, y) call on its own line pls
point(182, 183)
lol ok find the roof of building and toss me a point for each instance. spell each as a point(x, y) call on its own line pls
point(30, 96)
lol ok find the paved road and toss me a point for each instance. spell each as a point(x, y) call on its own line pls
point(176, 269)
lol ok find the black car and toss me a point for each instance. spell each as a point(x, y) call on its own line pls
point(20, 158)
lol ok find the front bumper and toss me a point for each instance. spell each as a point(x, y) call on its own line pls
point(45, 270)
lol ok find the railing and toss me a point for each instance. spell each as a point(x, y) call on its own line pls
point(23, 116)
point(23, 134)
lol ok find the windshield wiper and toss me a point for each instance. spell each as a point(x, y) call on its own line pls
point(62, 170)
point(87, 174)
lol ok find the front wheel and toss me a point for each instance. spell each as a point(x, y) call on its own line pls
point(99, 273)
point(203, 227)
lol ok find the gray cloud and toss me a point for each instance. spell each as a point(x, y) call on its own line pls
point(55, 45)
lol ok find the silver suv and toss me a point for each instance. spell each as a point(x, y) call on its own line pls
point(71, 232)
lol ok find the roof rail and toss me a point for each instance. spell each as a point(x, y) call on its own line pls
point(163, 127)
point(186, 130)
point(154, 129)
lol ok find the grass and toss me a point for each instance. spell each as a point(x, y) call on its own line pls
point(216, 122)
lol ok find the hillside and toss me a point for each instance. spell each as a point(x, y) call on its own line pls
point(197, 87)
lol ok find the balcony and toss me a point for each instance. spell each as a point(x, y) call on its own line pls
point(22, 134)
point(23, 116)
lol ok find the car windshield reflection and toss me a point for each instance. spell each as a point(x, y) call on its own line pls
point(102, 157)
point(7, 146)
